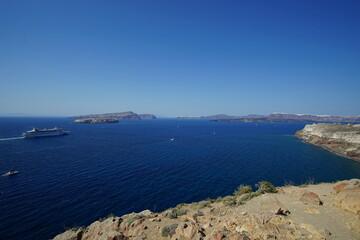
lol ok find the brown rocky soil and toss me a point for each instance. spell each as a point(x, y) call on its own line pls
point(322, 211)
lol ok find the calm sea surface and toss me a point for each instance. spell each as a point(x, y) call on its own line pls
point(131, 166)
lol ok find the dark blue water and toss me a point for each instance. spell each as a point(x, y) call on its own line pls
point(131, 166)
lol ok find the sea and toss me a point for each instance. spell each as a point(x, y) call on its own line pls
point(102, 169)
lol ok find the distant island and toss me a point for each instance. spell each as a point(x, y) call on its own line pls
point(343, 139)
point(111, 117)
point(97, 120)
point(284, 117)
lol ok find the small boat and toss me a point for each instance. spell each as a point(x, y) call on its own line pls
point(10, 173)
point(172, 139)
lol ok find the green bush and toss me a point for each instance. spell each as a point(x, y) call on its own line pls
point(104, 218)
point(175, 212)
point(203, 204)
point(242, 189)
point(130, 220)
point(265, 187)
point(229, 201)
point(168, 231)
point(245, 198)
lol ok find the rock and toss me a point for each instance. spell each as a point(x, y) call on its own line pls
point(311, 197)
point(207, 225)
point(146, 213)
point(108, 229)
point(325, 232)
point(186, 230)
point(268, 202)
point(72, 234)
point(218, 235)
point(348, 196)
point(156, 219)
point(340, 187)
point(235, 236)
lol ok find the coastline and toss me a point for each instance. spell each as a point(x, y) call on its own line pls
point(328, 149)
point(341, 139)
point(288, 212)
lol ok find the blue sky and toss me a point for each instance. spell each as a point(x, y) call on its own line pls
point(180, 57)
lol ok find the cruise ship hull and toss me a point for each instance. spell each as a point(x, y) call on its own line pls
point(35, 133)
point(44, 135)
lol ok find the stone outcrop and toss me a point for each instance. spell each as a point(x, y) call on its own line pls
point(343, 139)
point(302, 217)
point(348, 196)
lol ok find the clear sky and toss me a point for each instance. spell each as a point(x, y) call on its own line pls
point(180, 57)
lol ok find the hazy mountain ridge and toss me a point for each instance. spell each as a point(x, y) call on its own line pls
point(289, 117)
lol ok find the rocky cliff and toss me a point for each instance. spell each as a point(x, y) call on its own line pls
point(147, 116)
point(343, 139)
point(322, 211)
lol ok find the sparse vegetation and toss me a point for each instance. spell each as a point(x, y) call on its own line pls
point(203, 204)
point(288, 183)
point(104, 218)
point(229, 200)
point(242, 189)
point(247, 197)
point(74, 229)
point(175, 212)
point(131, 219)
point(168, 231)
point(265, 187)
point(310, 181)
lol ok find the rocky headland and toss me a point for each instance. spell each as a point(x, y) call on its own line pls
point(96, 120)
point(111, 117)
point(147, 116)
point(343, 139)
point(318, 211)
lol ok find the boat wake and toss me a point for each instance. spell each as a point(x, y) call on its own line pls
point(12, 138)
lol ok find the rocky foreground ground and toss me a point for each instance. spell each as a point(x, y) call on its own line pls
point(343, 139)
point(321, 211)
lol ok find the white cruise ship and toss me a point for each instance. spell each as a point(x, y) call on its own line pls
point(45, 132)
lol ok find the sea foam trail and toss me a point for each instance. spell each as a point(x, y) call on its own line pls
point(12, 138)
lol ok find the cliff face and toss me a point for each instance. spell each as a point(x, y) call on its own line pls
point(343, 139)
point(318, 212)
point(147, 116)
